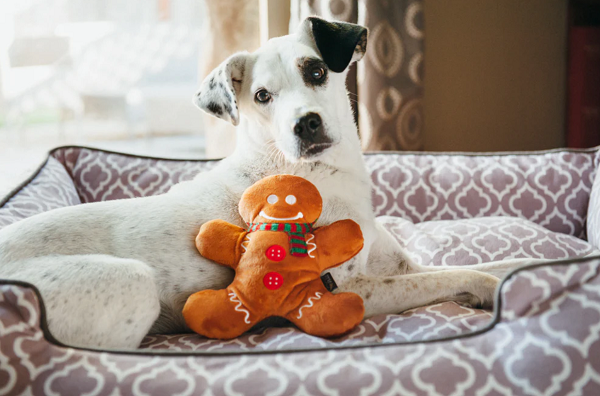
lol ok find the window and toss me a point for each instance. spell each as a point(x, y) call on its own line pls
point(106, 73)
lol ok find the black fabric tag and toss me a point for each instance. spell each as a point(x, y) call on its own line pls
point(329, 282)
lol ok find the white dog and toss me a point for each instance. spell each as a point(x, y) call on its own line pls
point(110, 272)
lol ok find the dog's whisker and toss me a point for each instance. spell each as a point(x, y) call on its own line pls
point(274, 155)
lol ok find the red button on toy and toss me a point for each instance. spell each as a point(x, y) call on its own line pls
point(275, 253)
point(273, 281)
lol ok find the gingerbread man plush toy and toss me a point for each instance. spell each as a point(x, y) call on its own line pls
point(278, 262)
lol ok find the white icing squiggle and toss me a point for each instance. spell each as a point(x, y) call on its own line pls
point(308, 242)
point(245, 242)
point(310, 303)
point(234, 299)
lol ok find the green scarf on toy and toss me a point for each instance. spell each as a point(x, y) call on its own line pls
point(296, 233)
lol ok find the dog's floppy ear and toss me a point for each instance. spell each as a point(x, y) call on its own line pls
point(218, 92)
point(338, 42)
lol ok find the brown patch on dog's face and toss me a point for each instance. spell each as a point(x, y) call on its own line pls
point(313, 71)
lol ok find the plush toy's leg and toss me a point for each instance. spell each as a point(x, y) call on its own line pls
point(327, 315)
point(218, 314)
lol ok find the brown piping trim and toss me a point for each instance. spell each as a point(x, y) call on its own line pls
point(488, 154)
point(24, 183)
point(36, 172)
point(132, 155)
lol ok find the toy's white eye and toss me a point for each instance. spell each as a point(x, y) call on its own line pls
point(290, 199)
point(272, 199)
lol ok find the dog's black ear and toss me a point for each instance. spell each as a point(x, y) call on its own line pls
point(218, 92)
point(338, 42)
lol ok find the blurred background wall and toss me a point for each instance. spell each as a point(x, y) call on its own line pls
point(495, 74)
point(120, 74)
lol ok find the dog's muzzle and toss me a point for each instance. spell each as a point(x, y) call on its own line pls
point(311, 132)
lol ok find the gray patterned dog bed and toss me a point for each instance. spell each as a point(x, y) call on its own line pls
point(445, 209)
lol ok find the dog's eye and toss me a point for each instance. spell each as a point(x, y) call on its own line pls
point(317, 73)
point(262, 96)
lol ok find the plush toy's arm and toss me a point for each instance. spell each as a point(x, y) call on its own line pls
point(221, 241)
point(338, 243)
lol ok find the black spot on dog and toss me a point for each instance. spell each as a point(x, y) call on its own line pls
point(211, 83)
point(215, 108)
point(221, 85)
point(310, 69)
point(402, 266)
point(368, 295)
point(350, 267)
point(164, 273)
point(359, 281)
point(388, 281)
point(227, 95)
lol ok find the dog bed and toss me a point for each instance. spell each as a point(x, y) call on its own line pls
point(445, 209)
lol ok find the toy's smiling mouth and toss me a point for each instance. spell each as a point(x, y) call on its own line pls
point(266, 216)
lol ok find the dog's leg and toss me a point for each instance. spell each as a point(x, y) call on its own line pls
point(92, 300)
point(395, 294)
point(496, 268)
point(392, 283)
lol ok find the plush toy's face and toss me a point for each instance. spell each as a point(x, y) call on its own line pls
point(281, 199)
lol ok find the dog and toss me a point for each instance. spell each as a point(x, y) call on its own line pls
point(111, 272)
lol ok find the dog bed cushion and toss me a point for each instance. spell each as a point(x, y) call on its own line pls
point(446, 243)
point(415, 191)
point(534, 320)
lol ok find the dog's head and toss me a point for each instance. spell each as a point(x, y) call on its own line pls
point(291, 91)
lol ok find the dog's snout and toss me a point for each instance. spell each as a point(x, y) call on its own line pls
point(309, 127)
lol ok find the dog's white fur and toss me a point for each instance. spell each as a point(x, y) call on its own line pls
point(110, 272)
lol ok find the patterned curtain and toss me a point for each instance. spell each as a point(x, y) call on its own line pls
point(388, 81)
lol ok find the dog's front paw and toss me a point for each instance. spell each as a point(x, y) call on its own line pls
point(482, 293)
point(468, 300)
point(485, 291)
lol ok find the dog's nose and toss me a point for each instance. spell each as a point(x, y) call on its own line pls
point(309, 126)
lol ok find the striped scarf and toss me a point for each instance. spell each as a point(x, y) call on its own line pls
point(296, 233)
